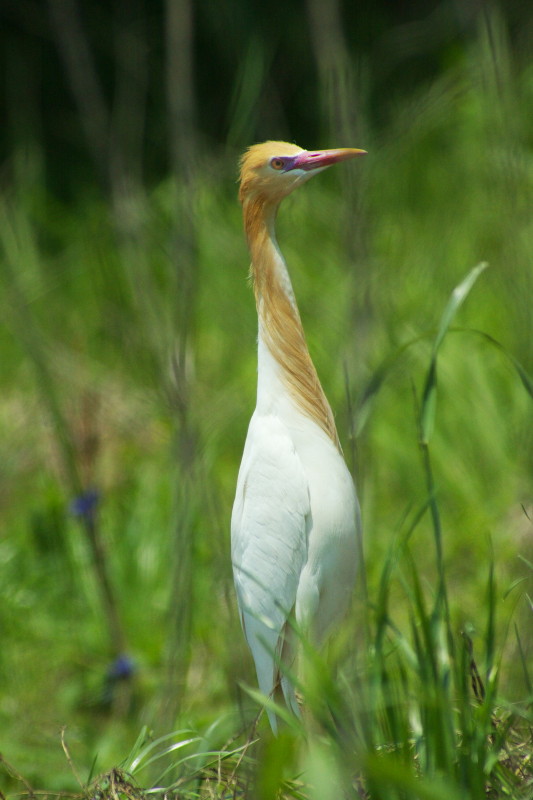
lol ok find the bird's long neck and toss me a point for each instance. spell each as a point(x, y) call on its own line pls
point(280, 327)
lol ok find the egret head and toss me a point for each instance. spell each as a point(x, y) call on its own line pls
point(271, 170)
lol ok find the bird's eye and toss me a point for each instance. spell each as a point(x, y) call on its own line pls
point(277, 163)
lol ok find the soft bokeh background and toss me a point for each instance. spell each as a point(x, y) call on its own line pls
point(128, 327)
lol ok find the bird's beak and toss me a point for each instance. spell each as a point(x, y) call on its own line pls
point(309, 160)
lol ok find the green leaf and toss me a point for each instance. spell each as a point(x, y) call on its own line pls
point(429, 394)
point(526, 379)
point(457, 298)
point(268, 704)
point(387, 772)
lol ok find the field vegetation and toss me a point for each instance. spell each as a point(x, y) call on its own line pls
point(128, 377)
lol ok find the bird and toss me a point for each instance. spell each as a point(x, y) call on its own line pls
point(296, 522)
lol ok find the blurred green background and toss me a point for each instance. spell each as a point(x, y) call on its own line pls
point(127, 336)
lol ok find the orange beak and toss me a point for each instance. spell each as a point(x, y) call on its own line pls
point(309, 160)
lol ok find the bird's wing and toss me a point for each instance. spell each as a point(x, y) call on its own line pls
point(269, 526)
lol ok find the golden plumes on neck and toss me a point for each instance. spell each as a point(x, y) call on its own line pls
point(279, 318)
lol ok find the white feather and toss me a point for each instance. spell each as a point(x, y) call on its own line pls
point(295, 526)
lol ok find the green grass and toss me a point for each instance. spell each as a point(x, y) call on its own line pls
point(426, 690)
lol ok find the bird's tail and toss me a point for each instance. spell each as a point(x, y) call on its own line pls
point(288, 650)
point(274, 655)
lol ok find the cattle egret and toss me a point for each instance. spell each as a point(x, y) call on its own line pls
point(295, 522)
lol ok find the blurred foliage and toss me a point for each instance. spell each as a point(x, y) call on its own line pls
point(128, 359)
point(86, 82)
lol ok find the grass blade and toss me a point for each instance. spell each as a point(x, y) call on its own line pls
point(429, 394)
